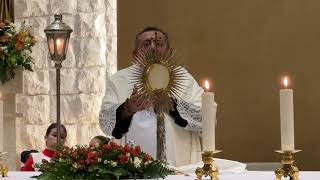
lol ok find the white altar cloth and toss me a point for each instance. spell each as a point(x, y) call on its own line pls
point(249, 175)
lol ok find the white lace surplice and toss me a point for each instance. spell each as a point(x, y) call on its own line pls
point(182, 144)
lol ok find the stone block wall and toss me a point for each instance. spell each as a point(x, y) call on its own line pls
point(91, 57)
point(8, 119)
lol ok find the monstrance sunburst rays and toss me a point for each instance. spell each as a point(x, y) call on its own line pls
point(158, 77)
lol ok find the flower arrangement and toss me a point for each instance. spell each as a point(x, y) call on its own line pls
point(15, 49)
point(108, 161)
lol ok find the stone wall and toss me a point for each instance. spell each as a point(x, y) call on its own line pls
point(91, 57)
point(9, 119)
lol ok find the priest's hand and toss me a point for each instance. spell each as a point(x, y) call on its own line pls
point(135, 103)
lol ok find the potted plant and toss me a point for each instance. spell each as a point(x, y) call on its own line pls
point(15, 50)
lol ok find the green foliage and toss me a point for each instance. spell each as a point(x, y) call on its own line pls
point(109, 161)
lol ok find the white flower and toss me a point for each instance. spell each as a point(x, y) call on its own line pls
point(75, 165)
point(113, 163)
point(105, 162)
point(137, 162)
point(8, 34)
point(99, 159)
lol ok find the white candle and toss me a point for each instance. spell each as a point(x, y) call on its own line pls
point(209, 108)
point(286, 116)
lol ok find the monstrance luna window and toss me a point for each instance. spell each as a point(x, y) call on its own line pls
point(158, 77)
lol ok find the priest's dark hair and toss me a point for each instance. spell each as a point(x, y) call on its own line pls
point(151, 28)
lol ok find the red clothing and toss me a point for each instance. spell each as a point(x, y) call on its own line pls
point(28, 166)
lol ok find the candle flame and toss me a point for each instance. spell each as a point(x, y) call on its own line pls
point(58, 42)
point(285, 82)
point(206, 85)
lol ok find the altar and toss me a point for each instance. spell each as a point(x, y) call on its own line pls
point(249, 175)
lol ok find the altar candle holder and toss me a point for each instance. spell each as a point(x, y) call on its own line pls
point(288, 169)
point(209, 168)
point(3, 169)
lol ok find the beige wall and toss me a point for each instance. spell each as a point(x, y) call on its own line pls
point(244, 47)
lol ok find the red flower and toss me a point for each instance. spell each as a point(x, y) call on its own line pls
point(19, 45)
point(4, 38)
point(2, 25)
point(123, 159)
point(106, 147)
point(135, 151)
point(55, 154)
point(147, 157)
point(74, 154)
point(114, 145)
point(20, 36)
point(69, 150)
point(126, 149)
point(91, 157)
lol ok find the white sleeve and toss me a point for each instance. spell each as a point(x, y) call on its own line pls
point(190, 104)
point(108, 111)
point(191, 114)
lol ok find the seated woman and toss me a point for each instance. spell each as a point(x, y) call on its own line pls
point(100, 140)
point(51, 143)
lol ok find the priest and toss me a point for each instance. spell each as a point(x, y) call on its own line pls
point(125, 115)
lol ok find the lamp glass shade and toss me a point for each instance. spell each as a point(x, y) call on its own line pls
point(58, 35)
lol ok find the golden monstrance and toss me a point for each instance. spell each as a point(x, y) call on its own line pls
point(158, 78)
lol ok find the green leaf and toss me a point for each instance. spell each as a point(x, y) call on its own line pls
point(12, 59)
point(119, 172)
point(28, 67)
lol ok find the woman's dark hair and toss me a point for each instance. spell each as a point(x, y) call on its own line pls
point(24, 156)
point(55, 125)
point(102, 139)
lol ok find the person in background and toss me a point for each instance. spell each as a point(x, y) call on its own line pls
point(100, 140)
point(24, 156)
point(51, 145)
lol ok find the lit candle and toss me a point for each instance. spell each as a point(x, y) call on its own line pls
point(286, 116)
point(59, 44)
point(209, 108)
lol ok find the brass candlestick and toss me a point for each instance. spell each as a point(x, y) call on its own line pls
point(288, 169)
point(209, 168)
point(3, 169)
